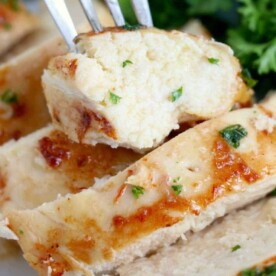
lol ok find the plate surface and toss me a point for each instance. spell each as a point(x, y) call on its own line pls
point(12, 262)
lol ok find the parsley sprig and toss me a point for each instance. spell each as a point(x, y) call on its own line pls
point(9, 97)
point(177, 189)
point(176, 94)
point(137, 191)
point(235, 248)
point(126, 62)
point(114, 99)
point(233, 134)
point(213, 60)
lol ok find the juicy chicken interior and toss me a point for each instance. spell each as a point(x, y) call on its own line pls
point(239, 241)
point(183, 185)
point(46, 164)
point(15, 23)
point(131, 88)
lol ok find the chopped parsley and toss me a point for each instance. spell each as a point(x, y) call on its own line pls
point(177, 189)
point(9, 97)
point(246, 76)
point(137, 191)
point(233, 134)
point(266, 271)
point(7, 26)
point(176, 180)
point(126, 62)
point(21, 232)
point(114, 99)
point(213, 60)
point(235, 248)
point(129, 27)
point(176, 94)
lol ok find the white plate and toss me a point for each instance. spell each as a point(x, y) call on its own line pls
point(12, 262)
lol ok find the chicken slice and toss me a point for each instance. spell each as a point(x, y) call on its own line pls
point(22, 103)
point(15, 23)
point(183, 185)
point(131, 88)
point(46, 164)
point(238, 241)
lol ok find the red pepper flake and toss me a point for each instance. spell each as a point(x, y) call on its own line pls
point(120, 193)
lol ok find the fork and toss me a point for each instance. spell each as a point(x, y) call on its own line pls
point(63, 20)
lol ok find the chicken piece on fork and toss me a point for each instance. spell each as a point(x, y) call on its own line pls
point(131, 86)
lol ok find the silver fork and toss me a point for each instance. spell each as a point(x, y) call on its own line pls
point(66, 26)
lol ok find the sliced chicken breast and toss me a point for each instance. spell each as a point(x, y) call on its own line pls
point(15, 23)
point(131, 88)
point(46, 164)
point(184, 185)
point(22, 103)
point(231, 245)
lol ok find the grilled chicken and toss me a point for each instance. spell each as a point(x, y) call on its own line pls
point(45, 164)
point(131, 88)
point(241, 240)
point(184, 185)
point(15, 23)
point(22, 104)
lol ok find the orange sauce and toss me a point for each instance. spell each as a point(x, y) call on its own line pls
point(82, 248)
point(82, 163)
point(228, 167)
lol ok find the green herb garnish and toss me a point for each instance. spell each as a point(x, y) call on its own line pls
point(21, 232)
point(9, 97)
point(7, 26)
point(129, 27)
point(126, 62)
point(114, 98)
point(233, 134)
point(175, 95)
point(246, 76)
point(137, 191)
point(177, 189)
point(235, 248)
point(213, 60)
point(176, 180)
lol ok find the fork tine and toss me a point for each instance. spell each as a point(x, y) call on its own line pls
point(91, 15)
point(63, 20)
point(116, 12)
point(142, 12)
